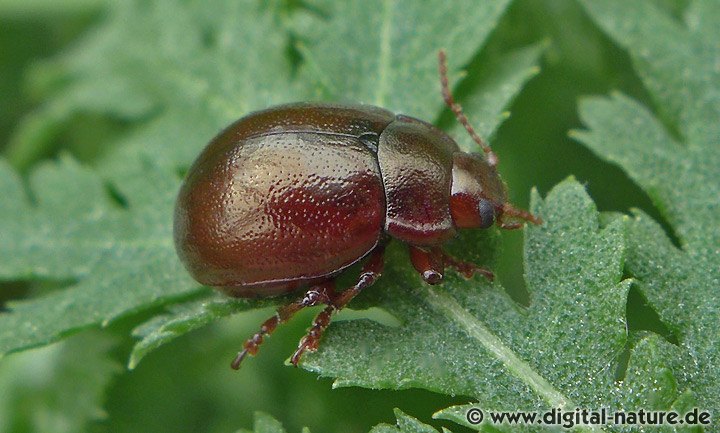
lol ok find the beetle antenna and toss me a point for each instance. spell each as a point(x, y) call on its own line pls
point(458, 111)
point(522, 214)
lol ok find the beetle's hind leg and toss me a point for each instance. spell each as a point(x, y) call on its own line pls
point(319, 294)
point(431, 263)
point(371, 271)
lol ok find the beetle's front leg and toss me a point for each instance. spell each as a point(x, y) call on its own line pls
point(467, 269)
point(431, 263)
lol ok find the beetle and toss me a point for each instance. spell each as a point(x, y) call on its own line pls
point(289, 197)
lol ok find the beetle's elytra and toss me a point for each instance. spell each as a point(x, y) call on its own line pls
point(290, 196)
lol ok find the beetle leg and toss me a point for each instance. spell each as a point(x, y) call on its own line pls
point(431, 263)
point(371, 271)
point(467, 269)
point(319, 294)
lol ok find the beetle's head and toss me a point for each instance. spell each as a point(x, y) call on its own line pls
point(478, 193)
point(479, 196)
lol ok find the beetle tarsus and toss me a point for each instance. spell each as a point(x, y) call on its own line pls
point(235, 365)
point(316, 295)
point(468, 269)
point(311, 341)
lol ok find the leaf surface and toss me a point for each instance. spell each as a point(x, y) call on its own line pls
point(36, 385)
point(674, 155)
point(265, 423)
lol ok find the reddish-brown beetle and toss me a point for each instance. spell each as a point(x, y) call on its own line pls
point(290, 196)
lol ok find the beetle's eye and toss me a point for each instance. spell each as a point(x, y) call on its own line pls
point(486, 210)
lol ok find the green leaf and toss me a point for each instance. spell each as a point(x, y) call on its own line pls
point(191, 75)
point(21, 8)
point(118, 256)
point(36, 385)
point(390, 54)
point(674, 156)
point(405, 424)
point(265, 423)
point(122, 260)
point(491, 86)
point(183, 318)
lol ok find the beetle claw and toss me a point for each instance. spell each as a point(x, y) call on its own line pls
point(235, 365)
point(431, 276)
point(295, 358)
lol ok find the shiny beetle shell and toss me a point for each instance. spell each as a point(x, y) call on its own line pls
point(291, 196)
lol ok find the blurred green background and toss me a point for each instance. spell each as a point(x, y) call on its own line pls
point(202, 394)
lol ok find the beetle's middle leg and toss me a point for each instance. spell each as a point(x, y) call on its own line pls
point(371, 271)
point(431, 263)
point(322, 293)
